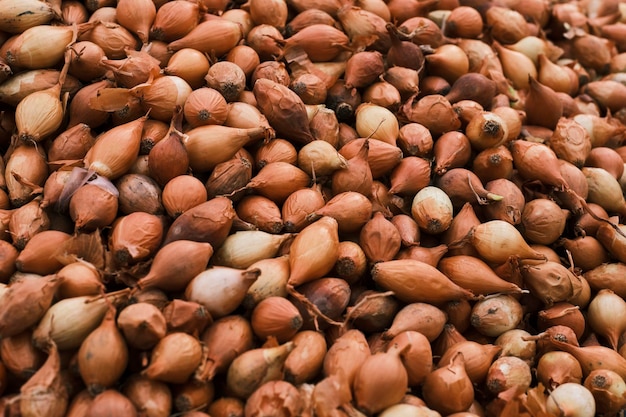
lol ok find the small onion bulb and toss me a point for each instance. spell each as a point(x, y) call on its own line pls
point(571, 400)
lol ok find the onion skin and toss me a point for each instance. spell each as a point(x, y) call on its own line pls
point(496, 314)
point(318, 243)
point(142, 325)
point(552, 282)
point(111, 402)
point(496, 240)
point(284, 109)
point(593, 357)
point(450, 377)
point(227, 338)
point(25, 303)
point(607, 388)
point(253, 368)
point(507, 372)
point(208, 287)
point(153, 397)
point(601, 316)
point(307, 358)
point(380, 382)
point(174, 359)
point(346, 355)
point(188, 226)
point(47, 385)
point(103, 355)
point(479, 358)
point(432, 287)
point(424, 318)
point(417, 358)
point(557, 367)
point(571, 399)
point(474, 275)
point(607, 276)
point(19, 356)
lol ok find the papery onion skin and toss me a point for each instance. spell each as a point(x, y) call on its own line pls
point(401, 276)
point(571, 399)
point(607, 388)
point(174, 358)
point(374, 392)
point(557, 367)
point(449, 377)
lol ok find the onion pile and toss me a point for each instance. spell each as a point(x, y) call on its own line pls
point(312, 208)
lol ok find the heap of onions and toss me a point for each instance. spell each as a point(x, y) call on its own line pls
point(312, 207)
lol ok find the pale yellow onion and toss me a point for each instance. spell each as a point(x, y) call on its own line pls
point(244, 248)
point(40, 46)
point(320, 158)
point(604, 190)
point(516, 66)
point(377, 122)
point(571, 399)
point(271, 282)
point(432, 210)
point(69, 321)
point(221, 289)
point(211, 145)
point(533, 46)
point(497, 240)
point(18, 15)
point(40, 114)
point(604, 316)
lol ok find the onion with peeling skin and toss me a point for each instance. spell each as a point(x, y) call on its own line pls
point(557, 367)
point(608, 390)
point(571, 399)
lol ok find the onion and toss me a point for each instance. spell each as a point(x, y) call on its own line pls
point(420, 317)
point(209, 288)
point(255, 367)
point(557, 367)
point(602, 312)
point(496, 240)
point(380, 382)
point(571, 399)
point(496, 314)
point(608, 389)
point(450, 377)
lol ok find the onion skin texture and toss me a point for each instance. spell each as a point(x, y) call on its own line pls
point(415, 281)
point(103, 355)
point(193, 224)
point(474, 275)
point(25, 303)
point(168, 274)
point(318, 243)
point(607, 388)
point(174, 358)
point(447, 379)
point(380, 382)
point(221, 289)
point(227, 338)
point(255, 367)
point(45, 394)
